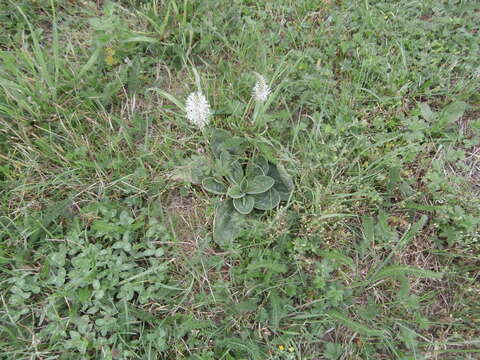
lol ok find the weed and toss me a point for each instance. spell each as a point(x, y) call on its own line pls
point(109, 241)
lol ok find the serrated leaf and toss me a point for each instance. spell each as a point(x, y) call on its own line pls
point(213, 186)
point(236, 192)
point(337, 257)
point(354, 325)
point(106, 227)
point(244, 205)
point(267, 200)
point(189, 324)
point(227, 223)
point(454, 111)
point(243, 346)
point(269, 265)
point(246, 306)
point(259, 184)
point(368, 235)
point(277, 309)
point(396, 270)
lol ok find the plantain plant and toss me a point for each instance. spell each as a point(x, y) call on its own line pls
point(246, 183)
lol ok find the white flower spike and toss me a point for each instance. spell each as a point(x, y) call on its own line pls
point(261, 89)
point(198, 109)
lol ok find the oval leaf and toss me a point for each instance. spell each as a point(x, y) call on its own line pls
point(218, 137)
point(253, 170)
point(260, 184)
point(257, 166)
point(454, 111)
point(267, 200)
point(244, 205)
point(427, 112)
point(236, 173)
point(263, 163)
point(283, 181)
point(235, 192)
point(212, 185)
point(227, 224)
point(222, 140)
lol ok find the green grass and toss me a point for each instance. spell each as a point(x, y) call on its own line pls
point(106, 251)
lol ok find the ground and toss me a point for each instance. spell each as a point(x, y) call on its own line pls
point(106, 247)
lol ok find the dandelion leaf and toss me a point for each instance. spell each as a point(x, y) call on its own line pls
point(355, 325)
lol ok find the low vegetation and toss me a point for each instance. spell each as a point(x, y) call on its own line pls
point(334, 216)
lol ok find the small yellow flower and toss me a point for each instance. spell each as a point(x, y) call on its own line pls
point(281, 347)
point(110, 59)
point(291, 349)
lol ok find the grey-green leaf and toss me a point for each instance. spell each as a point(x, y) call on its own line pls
point(226, 161)
point(277, 309)
point(223, 164)
point(267, 200)
point(355, 325)
point(427, 112)
point(235, 192)
point(227, 224)
point(253, 170)
point(263, 163)
point(193, 170)
point(236, 172)
point(260, 184)
point(257, 166)
point(283, 181)
point(218, 137)
point(244, 205)
point(454, 111)
point(224, 141)
point(212, 185)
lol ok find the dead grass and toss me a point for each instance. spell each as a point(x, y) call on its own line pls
point(186, 215)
